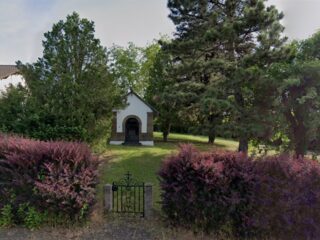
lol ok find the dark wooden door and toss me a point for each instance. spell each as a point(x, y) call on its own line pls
point(132, 131)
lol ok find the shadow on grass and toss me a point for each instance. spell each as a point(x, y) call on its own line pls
point(197, 143)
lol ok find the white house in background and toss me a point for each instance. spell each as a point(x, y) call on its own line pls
point(133, 125)
point(9, 74)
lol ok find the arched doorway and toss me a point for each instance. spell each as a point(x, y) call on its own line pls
point(132, 131)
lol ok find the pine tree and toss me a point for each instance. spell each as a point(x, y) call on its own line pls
point(228, 44)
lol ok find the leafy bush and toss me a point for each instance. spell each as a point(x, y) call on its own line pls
point(54, 176)
point(277, 196)
point(206, 191)
point(33, 218)
point(30, 217)
point(25, 215)
point(6, 216)
point(44, 132)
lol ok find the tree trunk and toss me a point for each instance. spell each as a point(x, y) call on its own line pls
point(166, 131)
point(165, 136)
point(212, 136)
point(298, 131)
point(243, 145)
point(299, 150)
point(243, 141)
point(300, 140)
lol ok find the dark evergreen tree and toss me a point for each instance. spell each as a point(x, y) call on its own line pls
point(228, 44)
point(69, 87)
point(214, 108)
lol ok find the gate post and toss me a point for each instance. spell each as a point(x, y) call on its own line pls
point(108, 197)
point(148, 200)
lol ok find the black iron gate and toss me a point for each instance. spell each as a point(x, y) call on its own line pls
point(128, 196)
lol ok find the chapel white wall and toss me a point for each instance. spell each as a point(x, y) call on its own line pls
point(135, 107)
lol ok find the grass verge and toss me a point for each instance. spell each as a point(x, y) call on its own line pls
point(144, 162)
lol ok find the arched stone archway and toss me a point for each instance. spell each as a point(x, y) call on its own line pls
point(125, 130)
point(132, 129)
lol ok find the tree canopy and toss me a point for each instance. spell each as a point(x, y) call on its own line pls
point(69, 91)
point(297, 96)
point(130, 66)
point(228, 71)
point(227, 46)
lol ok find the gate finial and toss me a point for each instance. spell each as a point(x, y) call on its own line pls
point(128, 178)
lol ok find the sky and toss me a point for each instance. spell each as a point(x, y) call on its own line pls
point(23, 22)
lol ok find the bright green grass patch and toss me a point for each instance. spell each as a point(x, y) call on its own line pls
point(144, 162)
point(201, 141)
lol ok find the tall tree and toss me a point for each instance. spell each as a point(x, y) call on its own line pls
point(298, 94)
point(161, 94)
point(70, 84)
point(130, 66)
point(125, 65)
point(214, 108)
point(232, 42)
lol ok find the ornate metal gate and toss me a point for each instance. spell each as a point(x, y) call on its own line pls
point(128, 196)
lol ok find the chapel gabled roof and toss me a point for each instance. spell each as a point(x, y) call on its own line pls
point(7, 70)
point(134, 93)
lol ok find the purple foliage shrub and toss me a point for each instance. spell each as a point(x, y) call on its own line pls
point(204, 191)
point(55, 176)
point(289, 197)
point(277, 196)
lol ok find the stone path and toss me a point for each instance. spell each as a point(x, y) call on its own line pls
point(113, 230)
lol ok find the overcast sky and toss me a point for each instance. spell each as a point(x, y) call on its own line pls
point(23, 22)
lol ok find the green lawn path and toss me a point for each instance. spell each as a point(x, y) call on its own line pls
point(144, 162)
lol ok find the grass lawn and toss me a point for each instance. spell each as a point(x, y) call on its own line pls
point(144, 162)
